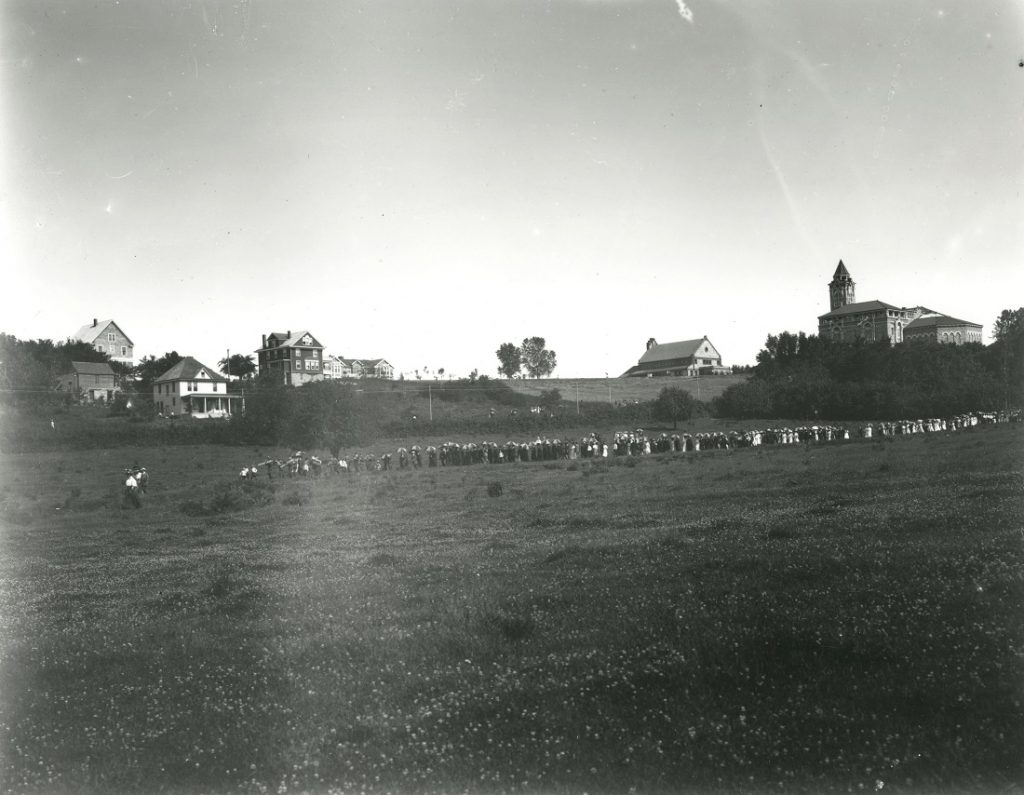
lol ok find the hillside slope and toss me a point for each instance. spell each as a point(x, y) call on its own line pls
point(627, 390)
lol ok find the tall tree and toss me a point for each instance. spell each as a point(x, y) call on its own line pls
point(1009, 323)
point(151, 368)
point(511, 360)
point(238, 364)
point(674, 404)
point(537, 359)
point(1008, 353)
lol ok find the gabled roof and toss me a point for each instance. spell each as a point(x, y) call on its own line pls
point(675, 350)
point(293, 341)
point(863, 306)
point(936, 319)
point(92, 368)
point(189, 369)
point(89, 332)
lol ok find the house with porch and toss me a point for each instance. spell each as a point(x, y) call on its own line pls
point(370, 368)
point(107, 337)
point(192, 389)
point(336, 368)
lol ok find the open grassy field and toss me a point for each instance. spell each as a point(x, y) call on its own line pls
point(845, 617)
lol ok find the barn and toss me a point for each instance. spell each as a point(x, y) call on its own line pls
point(686, 357)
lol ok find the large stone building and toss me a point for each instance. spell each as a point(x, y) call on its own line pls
point(686, 357)
point(848, 319)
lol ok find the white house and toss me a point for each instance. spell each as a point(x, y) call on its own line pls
point(192, 389)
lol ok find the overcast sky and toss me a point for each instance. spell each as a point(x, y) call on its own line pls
point(422, 180)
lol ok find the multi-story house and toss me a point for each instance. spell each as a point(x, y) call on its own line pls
point(107, 337)
point(190, 388)
point(294, 358)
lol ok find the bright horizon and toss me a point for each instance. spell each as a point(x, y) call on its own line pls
point(421, 182)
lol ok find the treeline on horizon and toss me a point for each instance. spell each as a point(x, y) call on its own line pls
point(797, 376)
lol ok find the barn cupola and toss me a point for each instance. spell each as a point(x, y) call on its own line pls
point(651, 343)
point(841, 288)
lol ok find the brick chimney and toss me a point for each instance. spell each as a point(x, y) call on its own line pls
point(94, 322)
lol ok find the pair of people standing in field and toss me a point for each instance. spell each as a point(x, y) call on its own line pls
point(136, 481)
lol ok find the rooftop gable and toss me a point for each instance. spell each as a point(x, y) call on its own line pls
point(302, 339)
point(679, 350)
point(91, 331)
point(189, 369)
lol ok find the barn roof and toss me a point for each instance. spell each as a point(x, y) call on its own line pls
point(674, 350)
point(92, 368)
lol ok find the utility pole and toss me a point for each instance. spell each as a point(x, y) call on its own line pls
point(430, 404)
point(577, 398)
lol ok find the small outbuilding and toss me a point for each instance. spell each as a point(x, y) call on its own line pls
point(96, 382)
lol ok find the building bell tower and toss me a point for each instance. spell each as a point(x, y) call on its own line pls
point(841, 288)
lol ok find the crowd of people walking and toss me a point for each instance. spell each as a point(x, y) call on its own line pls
point(621, 443)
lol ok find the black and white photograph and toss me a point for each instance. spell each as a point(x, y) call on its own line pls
point(552, 397)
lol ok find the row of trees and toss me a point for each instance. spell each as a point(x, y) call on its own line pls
point(532, 356)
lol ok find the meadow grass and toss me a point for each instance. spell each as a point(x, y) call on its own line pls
point(811, 618)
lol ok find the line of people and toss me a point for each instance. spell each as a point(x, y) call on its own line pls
point(623, 443)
